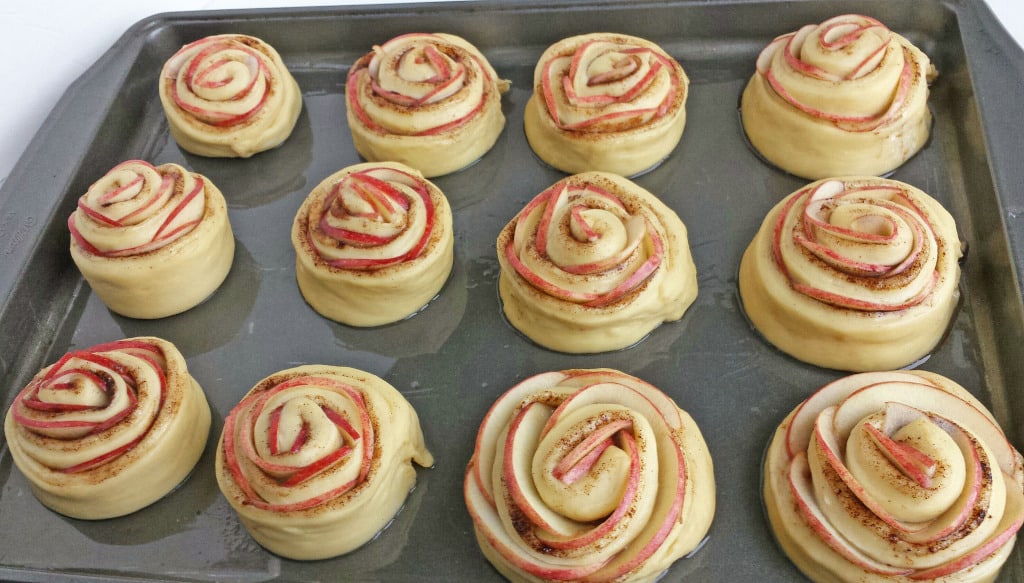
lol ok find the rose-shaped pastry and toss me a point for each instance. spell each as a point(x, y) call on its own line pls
point(607, 102)
point(594, 263)
point(229, 96)
point(152, 241)
point(317, 459)
point(848, 96)
point(855, 274)
point(110, 429)
point(431, 101)
point(894, 476)
point(373, 244)
point(588, 475)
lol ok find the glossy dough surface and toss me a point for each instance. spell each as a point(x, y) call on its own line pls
point(110, 429)
point(373, 244)
point(152, 241)
point(317, 459)
point(607, 102)
point(588, 475)
point(430, 101)
point(854, 274)
point(229, 96)
point(594, 263)
point(845, 97)
point(894, 476)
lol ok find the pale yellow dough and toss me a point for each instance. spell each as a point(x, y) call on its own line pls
point(820, 562)
point(240, 120)
point(401, 109)
point(831, 334)
point(674, 468)
point(170, 439)
point(314, 519)
point(163, 280)
point(637, 121)
point(620, 318)
point(376, 295)
point(869, 124)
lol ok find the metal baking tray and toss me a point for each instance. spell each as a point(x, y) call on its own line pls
point(454, 358)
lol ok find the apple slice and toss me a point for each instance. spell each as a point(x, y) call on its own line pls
point(930, 399)
point(519, 447)
point(489, 526)
point(626, 510)
point(976, 488)
point(829, 446)
point(665, 406)
point(801, 425)
point(497, 418)
point(807, 505)
point(909, 460)
point(1009, 524)
point(581, 458)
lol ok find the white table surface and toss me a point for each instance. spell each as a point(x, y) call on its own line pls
point(47, 44)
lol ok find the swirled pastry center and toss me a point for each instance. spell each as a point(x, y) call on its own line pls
point(92, 406)
point(136, 208)
point(608, 85)
point(419, 85)
point(582, 243)
point(371, 219)
point(895, 474)
point(220, 81)
point(868, 248)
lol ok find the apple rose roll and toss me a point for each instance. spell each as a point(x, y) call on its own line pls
point(110, 429)
point(316, 460)
point(847, 96)
point(229, 96)
point(854, 274)
point(894, 476)
point(588, 475)
point(152, 241)
point(373, 244)
point(607, 102)
point(594, 263)
point(431, 101)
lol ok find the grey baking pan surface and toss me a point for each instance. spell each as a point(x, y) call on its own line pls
point(455, 357)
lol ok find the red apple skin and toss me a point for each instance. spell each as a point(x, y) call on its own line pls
point(807, 508)
point(910, 461)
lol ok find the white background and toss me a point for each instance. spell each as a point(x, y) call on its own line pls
point(47, 44)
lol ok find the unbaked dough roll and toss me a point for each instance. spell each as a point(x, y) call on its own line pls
point(152, 241)
point(847, 96)
point(110, 429)
point(431, 101)
point(229, 96)
point(894, 477)
point(608, 102)
point(589, 475)
point(373, 244)
point(317, 459)
point(594, 263)
point(855, 274)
